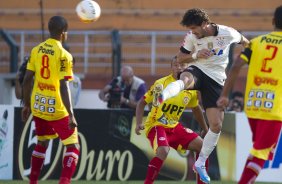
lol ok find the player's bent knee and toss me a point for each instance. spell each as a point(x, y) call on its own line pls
point(216, 128)
point(162, 152)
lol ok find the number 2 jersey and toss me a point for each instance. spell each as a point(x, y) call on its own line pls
point(170, 111)
point(263, 97)
point(51, 63)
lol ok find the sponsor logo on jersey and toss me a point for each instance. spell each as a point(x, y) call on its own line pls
point(43, 86)
point(261, 99)
point(63, 65)
point(270, 40)
point(265, 80)
point(46, 51)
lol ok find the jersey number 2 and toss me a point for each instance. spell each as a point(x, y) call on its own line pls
point(45, 71)
point(264, 68)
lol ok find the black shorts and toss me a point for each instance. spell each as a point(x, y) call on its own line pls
point(210, 89)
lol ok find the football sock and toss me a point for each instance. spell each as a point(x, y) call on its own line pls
point(209, 143)
point(69, 164)
point(251, 170)
point(153, 170)
point(173, 89)
point(37, 160)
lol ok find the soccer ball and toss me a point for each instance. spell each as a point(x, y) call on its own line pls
point(88, 11)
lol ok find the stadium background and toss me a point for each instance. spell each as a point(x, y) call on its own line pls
point(249, 16)
point(140, 25)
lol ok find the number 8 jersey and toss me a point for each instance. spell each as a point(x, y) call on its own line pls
point(263, 98)
point(51, 63)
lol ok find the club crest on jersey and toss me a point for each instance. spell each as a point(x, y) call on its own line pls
point(185, 100)
point(220, 41)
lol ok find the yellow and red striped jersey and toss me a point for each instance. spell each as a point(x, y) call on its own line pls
point(170, 111)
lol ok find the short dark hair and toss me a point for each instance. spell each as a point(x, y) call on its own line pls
point(195, 17)
point(278, 17)
point(57, 25)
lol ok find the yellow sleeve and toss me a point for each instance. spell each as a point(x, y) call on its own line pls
point(149, 94)
point(66, 67)
point(194, 99)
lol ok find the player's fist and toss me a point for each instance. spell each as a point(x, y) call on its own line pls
point(25, 113)
point(139, 128)
point(222, 102)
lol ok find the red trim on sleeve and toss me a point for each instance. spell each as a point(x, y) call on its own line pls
point(68, 77)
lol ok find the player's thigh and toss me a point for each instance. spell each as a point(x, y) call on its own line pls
point(181, 137)
point(196, 144)
point(210, 91)
point(157, 137)
point(66, 134)
point(215, 117)
point(191, 77)
point(43, 129)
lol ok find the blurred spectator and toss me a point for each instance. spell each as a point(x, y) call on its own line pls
point(75, 84)
point(75, 88)
point(236, 102)
point(123, 91)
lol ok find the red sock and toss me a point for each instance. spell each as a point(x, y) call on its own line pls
point(37, 160)
point(197, 175)
point(69, 165)
point(251, 170)
point(153, 170)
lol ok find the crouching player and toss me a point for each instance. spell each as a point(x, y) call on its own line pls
point(162, 124)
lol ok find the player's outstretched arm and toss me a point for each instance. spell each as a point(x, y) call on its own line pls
point(222, 102)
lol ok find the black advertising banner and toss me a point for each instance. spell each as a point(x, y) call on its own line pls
point(110, 149)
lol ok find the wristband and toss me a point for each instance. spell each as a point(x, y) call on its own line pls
point(194, 55)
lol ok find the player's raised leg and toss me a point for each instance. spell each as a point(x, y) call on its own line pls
point(186, 81)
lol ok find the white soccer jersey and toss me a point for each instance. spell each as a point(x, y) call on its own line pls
point(214, 66)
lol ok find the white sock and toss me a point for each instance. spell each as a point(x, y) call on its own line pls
point(173, 89)
point(209, 143)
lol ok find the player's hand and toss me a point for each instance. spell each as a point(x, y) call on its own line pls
point(139, 128)
point(222, 102)
point(72, 122)
point(204, 54)
point(25, 113)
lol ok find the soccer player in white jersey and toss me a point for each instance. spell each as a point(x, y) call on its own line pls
point(205, 48)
